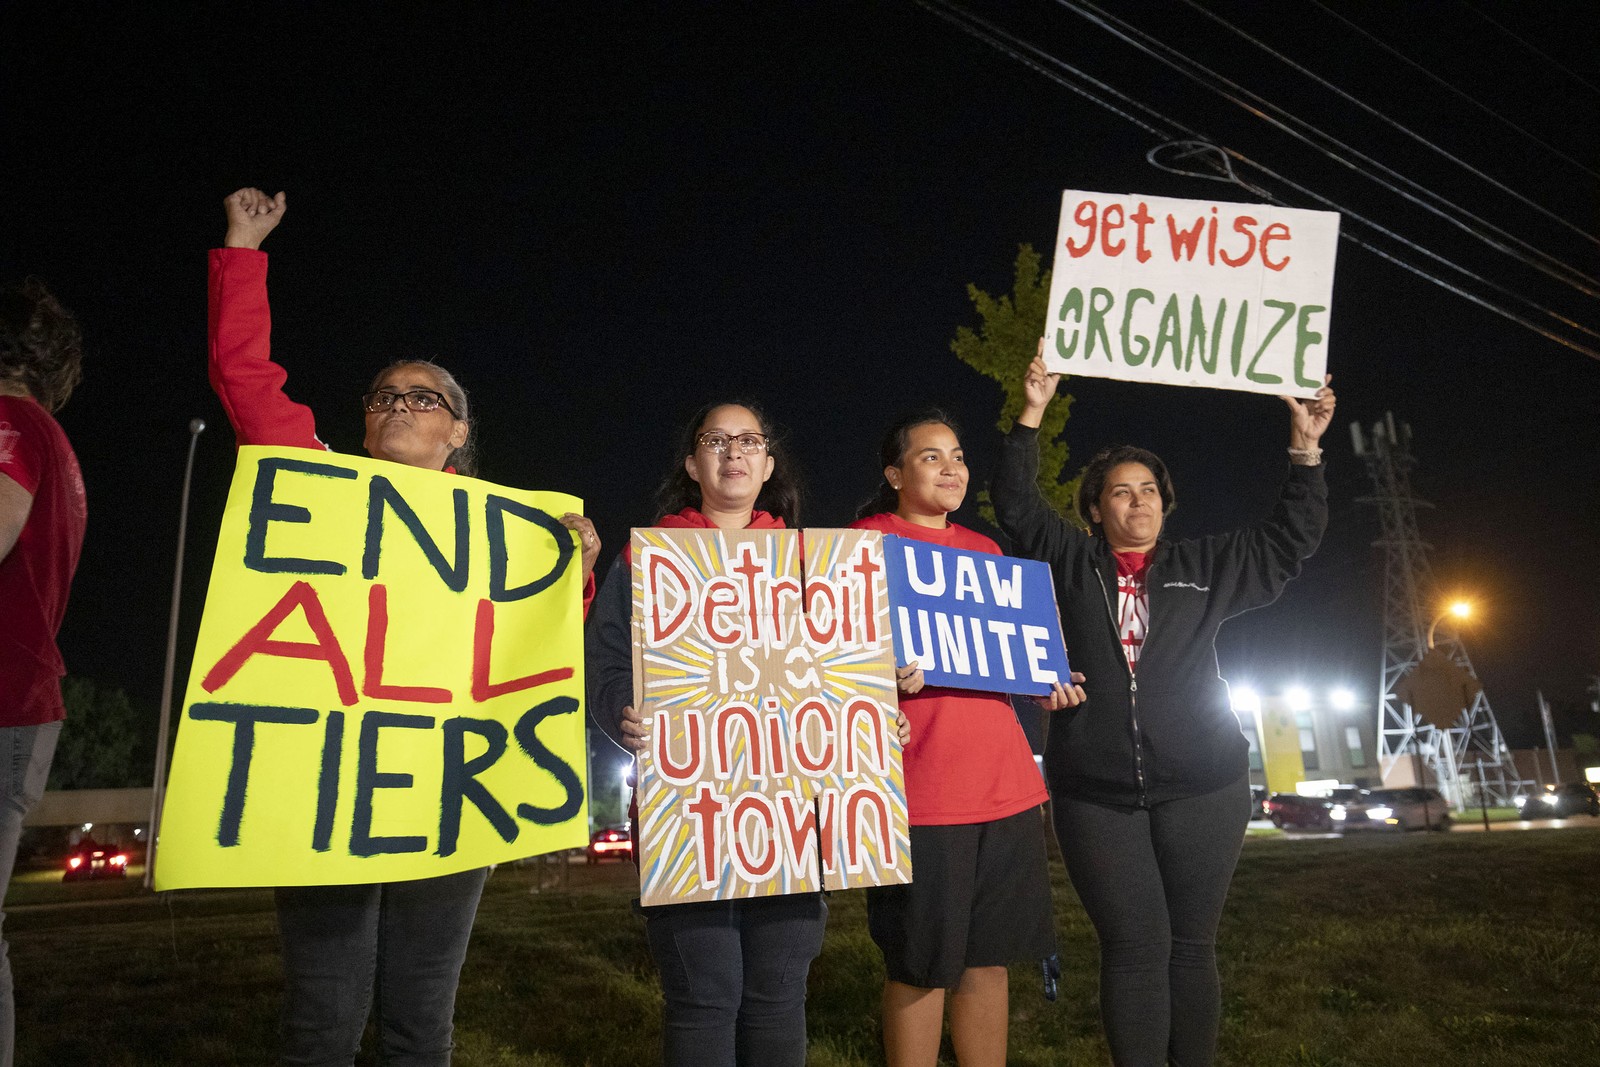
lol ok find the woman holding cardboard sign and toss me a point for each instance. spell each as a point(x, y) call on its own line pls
point(1150, 778)
point(733, 972)
point(980, 897)
point(404, 940)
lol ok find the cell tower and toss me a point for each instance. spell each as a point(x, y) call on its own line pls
point(1469, 760)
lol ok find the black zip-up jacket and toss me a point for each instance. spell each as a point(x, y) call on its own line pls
point(1168, 731)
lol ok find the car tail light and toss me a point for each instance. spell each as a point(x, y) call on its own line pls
point(74, 863)
point(119, 860)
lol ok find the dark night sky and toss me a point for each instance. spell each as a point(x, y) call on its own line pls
point(601, 215)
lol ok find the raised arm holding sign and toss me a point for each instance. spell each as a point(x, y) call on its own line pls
point(1149, 778)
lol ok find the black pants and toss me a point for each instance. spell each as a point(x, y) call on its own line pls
point(733, 978)
point(399, 944)
point(1153, 882)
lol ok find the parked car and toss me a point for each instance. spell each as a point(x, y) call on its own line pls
point(1291, 811)
point(90, 861)
point(1412, 808)
point(610, 842)
point(1560, 801)
point(1258, 803)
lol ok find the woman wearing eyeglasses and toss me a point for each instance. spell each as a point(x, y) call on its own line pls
point(404, 941)
point(733, 973)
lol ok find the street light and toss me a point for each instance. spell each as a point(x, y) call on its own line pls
point(1460, 609)
point(1245, 699)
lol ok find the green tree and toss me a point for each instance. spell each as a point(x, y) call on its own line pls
point(106, 743)
point(1000, 349)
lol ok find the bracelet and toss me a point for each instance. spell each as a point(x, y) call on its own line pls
point(1305, 457)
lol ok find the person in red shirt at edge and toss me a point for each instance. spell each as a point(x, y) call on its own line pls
point(404, 941)
point(980, 893)
point(42, 517)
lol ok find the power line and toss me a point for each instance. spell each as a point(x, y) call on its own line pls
point(1294, 126)
point(1402, 57)
point(1563, 68)
point(1024, 53)
point(1375, 113)
point(1231, 176)
point(1222, 160)
point(1036, 59)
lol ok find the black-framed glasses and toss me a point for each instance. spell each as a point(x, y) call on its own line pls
point(717, 442)
point(416, 400)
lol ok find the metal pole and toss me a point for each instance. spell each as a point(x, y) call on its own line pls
point(159, 782)
point(1483, 794)
point(1549, 737)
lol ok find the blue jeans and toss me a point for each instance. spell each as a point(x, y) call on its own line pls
point(1153, 881)
point(25, 755)
point(733, 979)
point(397, 946)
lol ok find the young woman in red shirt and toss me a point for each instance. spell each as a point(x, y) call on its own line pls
point(980, 894)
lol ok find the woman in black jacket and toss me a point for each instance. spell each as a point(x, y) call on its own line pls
point(1149, 777)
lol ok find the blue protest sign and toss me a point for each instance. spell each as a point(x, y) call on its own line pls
point(972, 620)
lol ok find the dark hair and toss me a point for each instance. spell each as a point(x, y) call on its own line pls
point(1093, 482)
point(892, 452)
point(41, 346)
point(780, 496)
point(465, 458)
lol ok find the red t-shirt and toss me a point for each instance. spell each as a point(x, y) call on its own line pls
point(36, 574)
point(968, 760)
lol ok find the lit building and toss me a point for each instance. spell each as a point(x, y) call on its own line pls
point(1313, 735)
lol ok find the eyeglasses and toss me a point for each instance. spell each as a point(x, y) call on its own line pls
point(717, 442)
point(416, 400)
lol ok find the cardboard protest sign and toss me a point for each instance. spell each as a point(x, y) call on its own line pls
point(387, 682)
point(1191, 292)
point(764, 666)
point(974, 620)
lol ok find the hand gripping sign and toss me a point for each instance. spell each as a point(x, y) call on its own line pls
point(387, 684)
point(1191, 292)
point(975, 620)
point(764, 664)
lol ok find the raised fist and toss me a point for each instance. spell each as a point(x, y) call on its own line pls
point(252, 214)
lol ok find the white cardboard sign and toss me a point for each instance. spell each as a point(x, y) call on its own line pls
point(1192, 292)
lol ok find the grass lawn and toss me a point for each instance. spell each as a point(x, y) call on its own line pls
point(1377, 951)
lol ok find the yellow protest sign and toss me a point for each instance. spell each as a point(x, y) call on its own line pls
point(387, 684)
point(764, 663)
